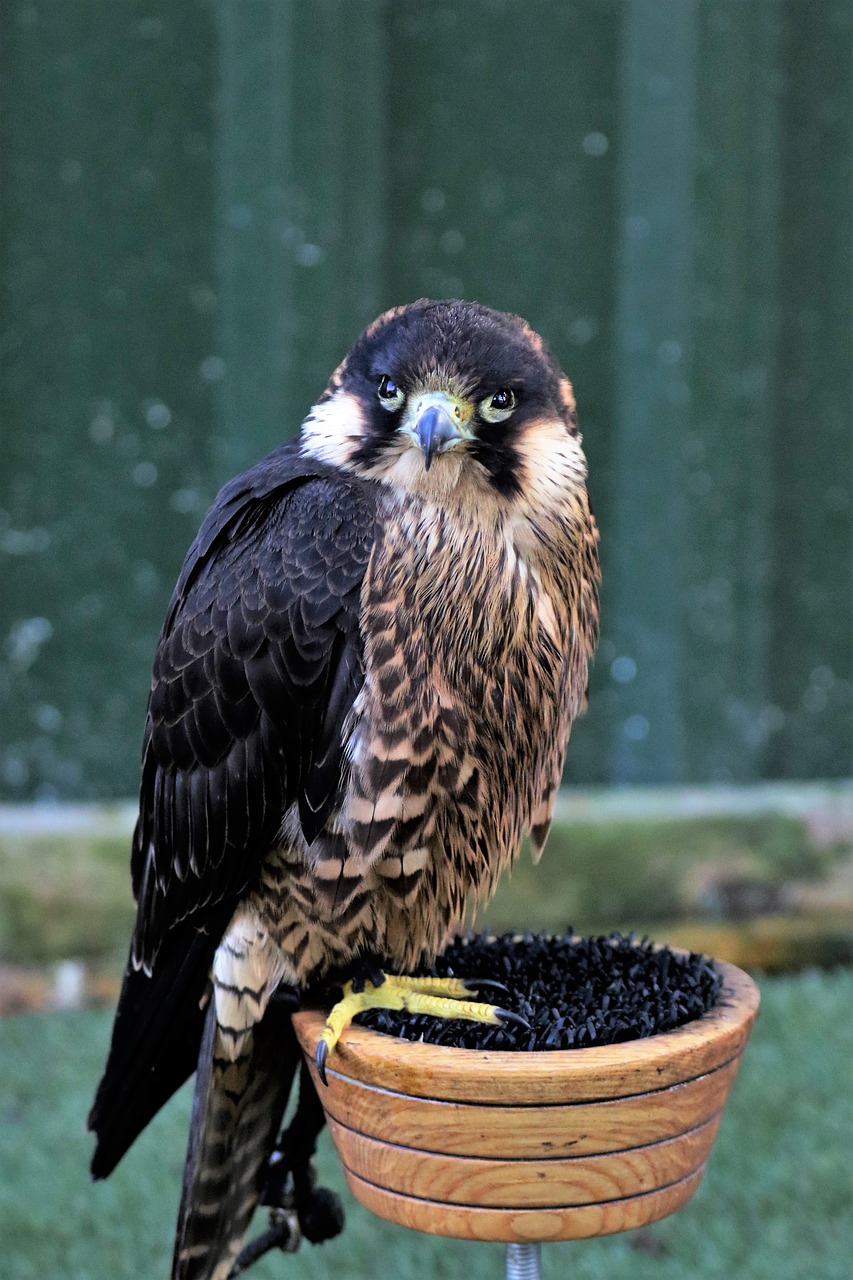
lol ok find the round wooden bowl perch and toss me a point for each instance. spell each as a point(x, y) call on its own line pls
point(531, 1146)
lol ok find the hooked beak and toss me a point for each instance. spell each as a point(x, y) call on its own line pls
point(438, 423)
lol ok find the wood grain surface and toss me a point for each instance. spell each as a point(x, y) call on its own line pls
point(536, 1184)
point(473, 1222)
point(512, 1133)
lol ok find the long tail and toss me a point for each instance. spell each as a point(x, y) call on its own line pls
point(237, 1112)
point(159, 1024)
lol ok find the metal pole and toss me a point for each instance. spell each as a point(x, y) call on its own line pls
point(523, 1262)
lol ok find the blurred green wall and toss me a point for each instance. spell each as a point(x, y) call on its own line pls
point(203, 202)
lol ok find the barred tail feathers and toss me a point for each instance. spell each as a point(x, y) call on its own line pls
point(247, 1061)
point(238, 1107)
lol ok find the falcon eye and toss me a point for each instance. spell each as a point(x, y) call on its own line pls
point(498, 407)
point(390, 395)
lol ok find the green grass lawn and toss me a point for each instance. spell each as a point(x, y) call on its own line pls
point(776, 1202)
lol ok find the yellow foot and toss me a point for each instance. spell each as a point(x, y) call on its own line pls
point(439, 997)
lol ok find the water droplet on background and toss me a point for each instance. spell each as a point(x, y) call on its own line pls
point(158, 415)
point(623, 669)
point(144, 474)
point(596, 144)
point(25, 640)
point(433, 200)
point(212, 368)
point(636, 728)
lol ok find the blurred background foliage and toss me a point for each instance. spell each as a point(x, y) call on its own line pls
point(202, 202)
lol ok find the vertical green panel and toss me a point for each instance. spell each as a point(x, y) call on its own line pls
point(300, 209)
point(501, 190)
point(106, 318)
point(252, 367)
point(647, 562)
point(726, 443)
point(812, 656)
point(341, 159)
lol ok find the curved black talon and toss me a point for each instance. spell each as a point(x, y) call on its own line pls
point(476, 985)
point(321, 1053)
point(506, 1015)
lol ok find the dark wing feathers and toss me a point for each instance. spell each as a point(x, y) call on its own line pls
point(240, 695)
point(257, 668)
point(319, 792)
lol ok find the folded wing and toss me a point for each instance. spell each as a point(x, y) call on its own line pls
point(257, 668)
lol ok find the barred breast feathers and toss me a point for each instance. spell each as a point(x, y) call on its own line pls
point(479, 611)
point(476, 631)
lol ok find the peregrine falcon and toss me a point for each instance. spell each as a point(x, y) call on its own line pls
point(360, 703)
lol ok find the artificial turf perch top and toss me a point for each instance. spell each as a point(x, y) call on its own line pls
point(573, 992)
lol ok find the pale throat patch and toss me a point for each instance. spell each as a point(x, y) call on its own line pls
point(553, 471)
point(333, 430)
point(550, 456)
point(403, 468)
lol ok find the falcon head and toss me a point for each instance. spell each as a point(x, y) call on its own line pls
point(450, 399)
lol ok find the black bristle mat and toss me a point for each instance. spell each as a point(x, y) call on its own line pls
point(574, 992)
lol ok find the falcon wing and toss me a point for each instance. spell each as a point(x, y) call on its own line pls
point(257, 667)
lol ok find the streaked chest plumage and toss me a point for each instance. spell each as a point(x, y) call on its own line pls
point(474, 666)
